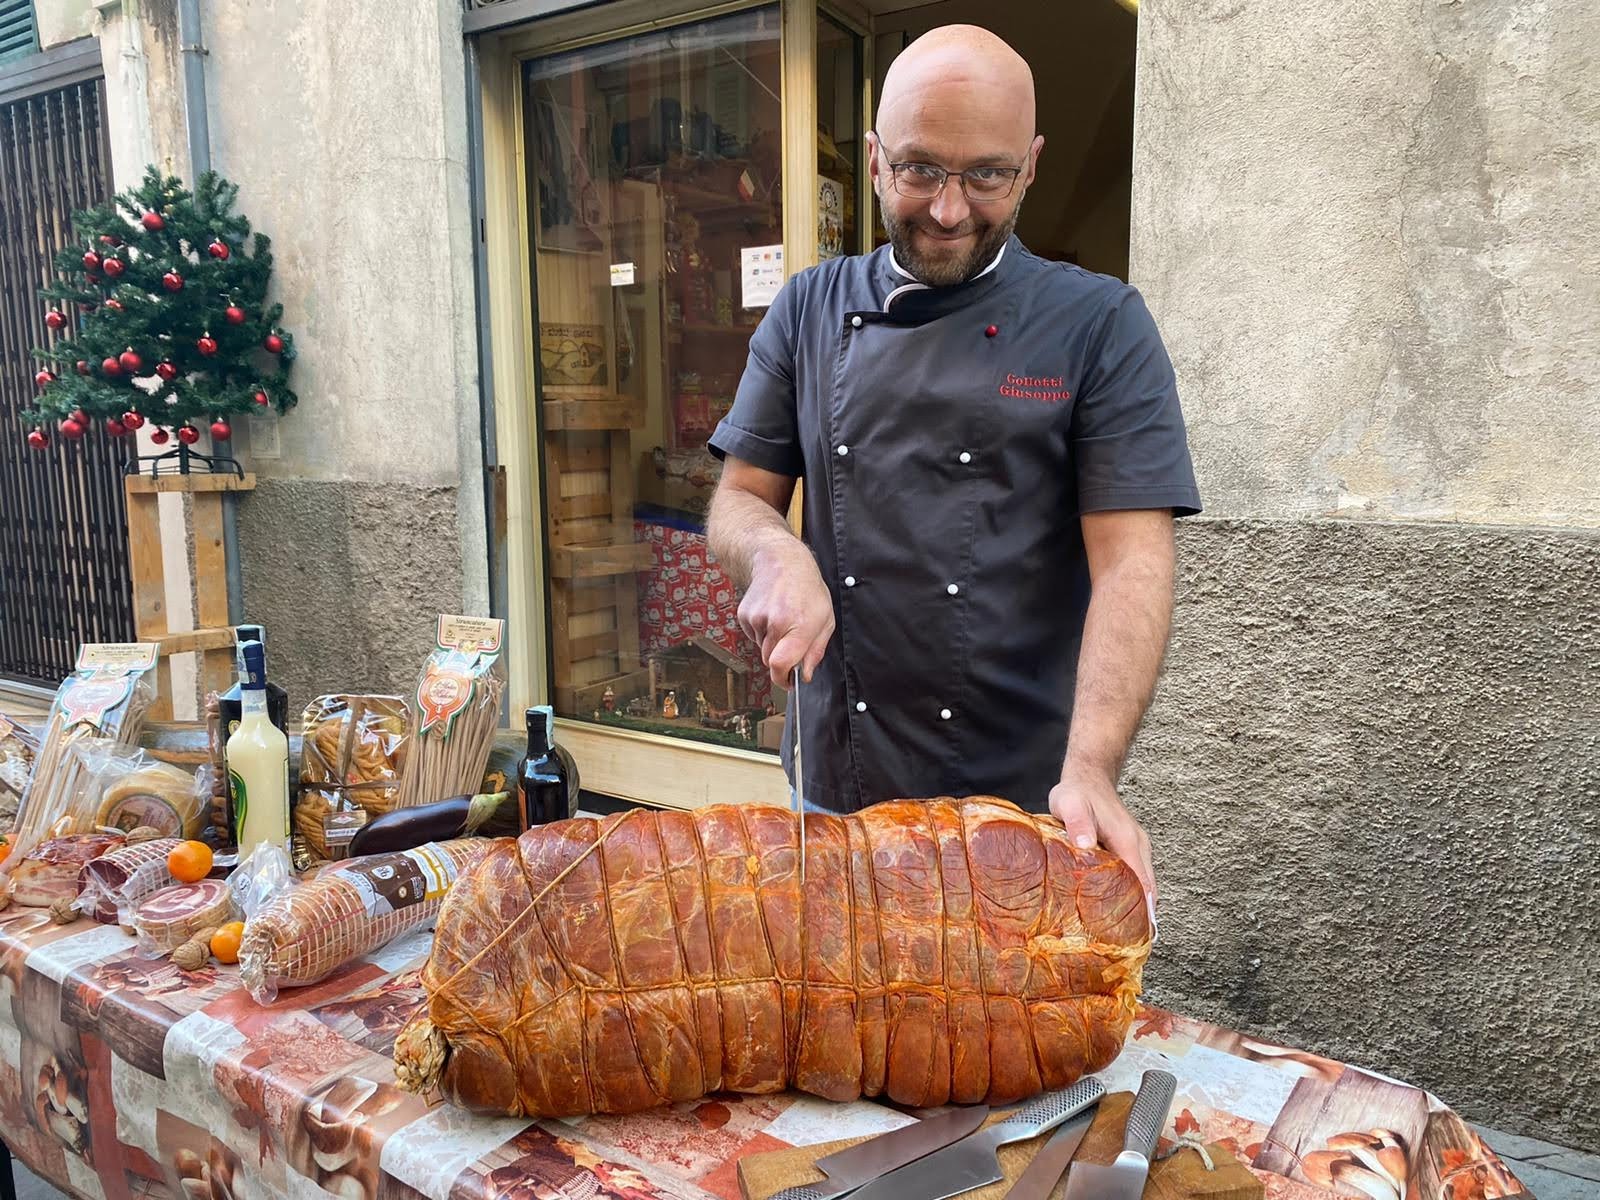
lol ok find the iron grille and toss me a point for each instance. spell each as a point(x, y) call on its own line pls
point(64, 575)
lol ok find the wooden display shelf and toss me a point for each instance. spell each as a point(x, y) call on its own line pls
point(594, 562)
point(598, 412)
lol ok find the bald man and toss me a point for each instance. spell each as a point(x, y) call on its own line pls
point(993, 453)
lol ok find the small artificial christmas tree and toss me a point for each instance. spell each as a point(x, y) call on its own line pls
point(162, 318)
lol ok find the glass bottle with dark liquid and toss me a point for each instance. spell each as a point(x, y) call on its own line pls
point(542, 779)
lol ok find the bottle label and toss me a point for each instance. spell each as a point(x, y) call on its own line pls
point(241, 801)
point(391, 882)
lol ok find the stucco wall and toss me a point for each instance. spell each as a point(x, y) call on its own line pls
point(1371, 771)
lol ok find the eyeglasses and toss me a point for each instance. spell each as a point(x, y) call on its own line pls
point(924, 181)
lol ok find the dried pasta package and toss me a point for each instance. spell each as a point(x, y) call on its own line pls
point(106, 697)
point(18, 748)
point(350, 909)
point(455, 709)
point(352, 750)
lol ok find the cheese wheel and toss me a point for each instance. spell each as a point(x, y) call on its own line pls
point(159, 795)
point(173, 915)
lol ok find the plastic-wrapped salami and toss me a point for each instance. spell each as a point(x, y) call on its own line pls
point(50, 872)
point(169, 918)
point(349, 909)
point(111, 887)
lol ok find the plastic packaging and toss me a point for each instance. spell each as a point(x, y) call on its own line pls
point(106, 697)
point(352, 750)
point(350, 909)
point(18, 749)
point(261, 877)
point(128, 790)
point(166, 919)
point(111, 887)
point(455, 710)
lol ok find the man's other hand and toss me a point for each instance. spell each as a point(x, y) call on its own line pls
point(1086, 802)
point(787, 611)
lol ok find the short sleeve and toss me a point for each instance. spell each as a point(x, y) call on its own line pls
point(763, 427)
point(1128, 438)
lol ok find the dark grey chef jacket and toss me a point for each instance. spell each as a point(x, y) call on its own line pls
point(949, 438)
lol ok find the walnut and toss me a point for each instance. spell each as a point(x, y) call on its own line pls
point(192, 955)
point(64, 911)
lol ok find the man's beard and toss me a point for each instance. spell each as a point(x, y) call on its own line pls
point(947, 271)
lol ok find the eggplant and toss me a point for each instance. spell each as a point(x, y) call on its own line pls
point(488, 814)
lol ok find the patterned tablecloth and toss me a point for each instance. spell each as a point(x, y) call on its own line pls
point(124, 1077)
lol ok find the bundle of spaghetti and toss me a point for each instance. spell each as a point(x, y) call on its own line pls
point(454, 712)
point(95, 708)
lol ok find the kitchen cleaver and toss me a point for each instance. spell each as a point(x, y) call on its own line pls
point(974, 1161)
point(1125, 1178)
point(853, 1166)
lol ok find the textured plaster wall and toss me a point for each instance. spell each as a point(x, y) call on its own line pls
point(345, 129)
point(1372, 771)
point(1372, 778)
point(1368, 230)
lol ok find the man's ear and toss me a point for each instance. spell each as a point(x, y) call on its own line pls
point(875, 163)
point(1036, 149)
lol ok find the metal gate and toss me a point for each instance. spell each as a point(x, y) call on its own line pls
point(64, 575)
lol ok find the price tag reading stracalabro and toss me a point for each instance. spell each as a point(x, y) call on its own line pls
point(481, 635)
point(117, 656)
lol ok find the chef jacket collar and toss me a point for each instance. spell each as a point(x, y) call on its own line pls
point(907, 299)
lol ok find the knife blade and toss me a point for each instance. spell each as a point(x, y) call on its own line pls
point(853, 1166)
point(1125, 1178)
point(1039, 1179)
point(799, 779)
point(974, 1161)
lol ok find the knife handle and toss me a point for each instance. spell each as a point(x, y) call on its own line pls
point(1051, 1109)
point(806, 1191)
point(1149, 1113)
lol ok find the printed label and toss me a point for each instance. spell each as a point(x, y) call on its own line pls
point(87, 701)
point(241, 799)
point(338, 828)
point(444, 692)
point(475, 635)
point(391, 882)
point(118, 656)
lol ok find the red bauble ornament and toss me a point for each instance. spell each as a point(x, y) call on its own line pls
point(113, 267)
point(172, 281)
point(235, 315)
point(273, 343)
point(218, 249)
point(78, 415)
point(167, 371)
point(160, 436)
point(111, 367)
point(261, 399)
point(91, 261)
point(45, 378)
point(83, 367)
point(132, 420)
point(131, 362)
point(55, 319)
point(188, 434)
point(115, 427)
point(71, 429)
point(153, 222)
point(114, 305)
point(38, 439)
point(221, 431)
point(207, 345)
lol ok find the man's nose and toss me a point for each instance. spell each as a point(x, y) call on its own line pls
point(950, 206)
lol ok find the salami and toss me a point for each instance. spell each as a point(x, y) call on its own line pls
point(351, 909)
point(115, 883)
point(173, 915)
point(50, 871)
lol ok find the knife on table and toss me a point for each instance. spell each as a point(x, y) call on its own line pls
point(1039, 1179)
point(974, 1161)
point(1125, 1178)
point(848, 1169)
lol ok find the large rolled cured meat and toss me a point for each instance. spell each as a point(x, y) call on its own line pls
point(945, 951)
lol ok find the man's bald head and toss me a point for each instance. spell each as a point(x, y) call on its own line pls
point(958, 99)
point(953, 80)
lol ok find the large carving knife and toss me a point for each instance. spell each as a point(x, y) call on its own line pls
point(848, 1169)
point(799, 780)
point(1125, 1178)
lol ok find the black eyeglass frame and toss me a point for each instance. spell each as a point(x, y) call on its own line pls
point(895, 169)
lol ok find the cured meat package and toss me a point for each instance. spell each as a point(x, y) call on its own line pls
point(944, 951)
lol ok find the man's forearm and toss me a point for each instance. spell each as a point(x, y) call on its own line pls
point(1124, 640)
point(740, 528)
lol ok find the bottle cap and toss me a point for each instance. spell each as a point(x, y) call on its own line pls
point(254, 656)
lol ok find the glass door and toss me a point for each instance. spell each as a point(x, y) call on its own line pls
point(654, 193)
